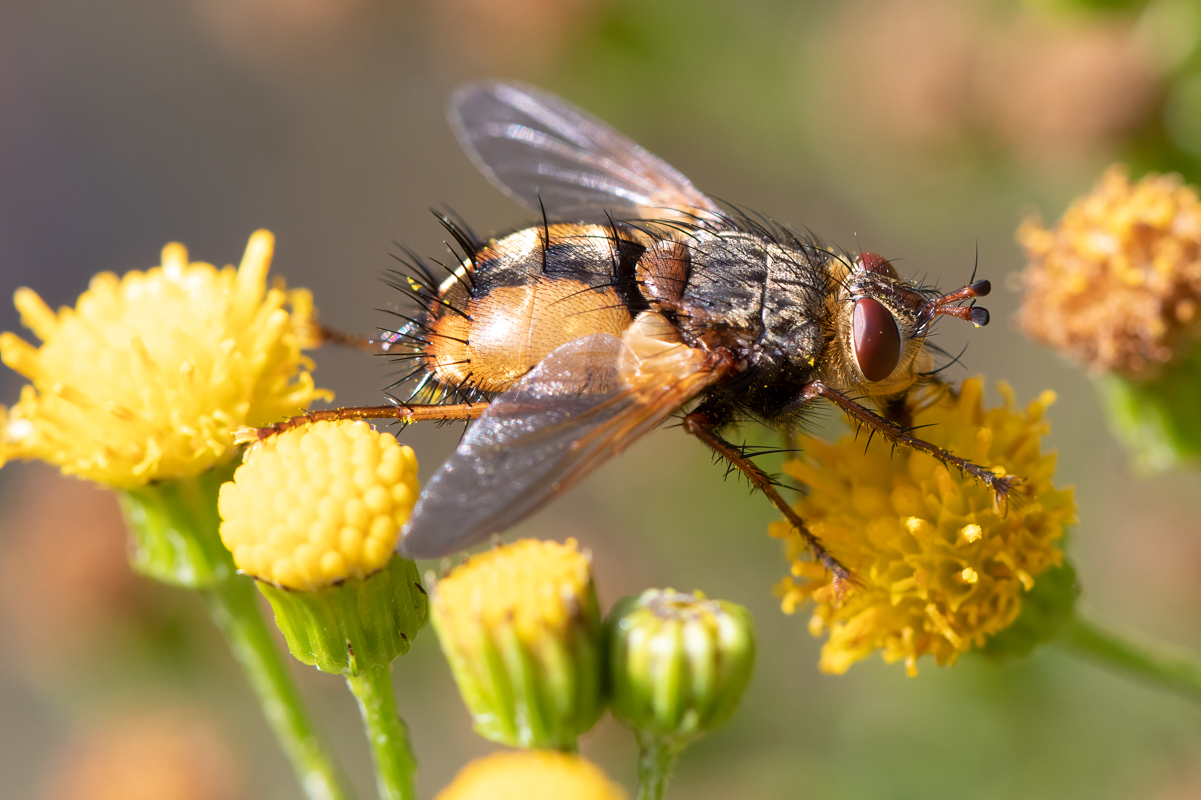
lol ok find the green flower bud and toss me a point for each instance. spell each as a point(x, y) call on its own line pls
point(520, 627)
point(678, 663)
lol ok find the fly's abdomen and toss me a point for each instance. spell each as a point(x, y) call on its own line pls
point(521, 296)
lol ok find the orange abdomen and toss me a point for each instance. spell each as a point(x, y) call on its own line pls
point(525, 294)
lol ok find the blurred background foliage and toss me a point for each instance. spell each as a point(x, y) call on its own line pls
point(921, 129)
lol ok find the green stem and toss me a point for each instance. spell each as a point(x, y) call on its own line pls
point(395, 765)
point(1164, 665)
point(174, 525)
point(234, 610)
point(656, 759)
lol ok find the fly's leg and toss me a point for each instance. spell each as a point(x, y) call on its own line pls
point(373, 346)
point(703, 426)
point(403, 412)
point(1001, 485)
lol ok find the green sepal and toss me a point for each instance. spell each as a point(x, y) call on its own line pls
point(542, 693)
point(1045, 610)
point(175, 529)
point(673, 675)
point(1158, 419)
point(355, 625)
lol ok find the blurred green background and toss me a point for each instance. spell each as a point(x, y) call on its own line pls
point(921, 129)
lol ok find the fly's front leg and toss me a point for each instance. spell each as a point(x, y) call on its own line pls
point(1001, 485)
point(703, 426)
point(403, 412)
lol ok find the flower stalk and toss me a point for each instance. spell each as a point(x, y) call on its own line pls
point(657, 756)
point(175, 525)
point(395, 765)
point(1166, 666)
point(234, 609)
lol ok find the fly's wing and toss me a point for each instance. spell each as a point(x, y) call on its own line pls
point(581, 405)
point(542, 151)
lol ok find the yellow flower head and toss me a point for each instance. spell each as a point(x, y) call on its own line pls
point(1117, 283)
point(318, 504)
point(151, 374)
point(533, 585)
point(941, 566)
point(531, 775)
point(520, 626)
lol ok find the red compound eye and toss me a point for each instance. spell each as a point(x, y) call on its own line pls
point(877, 339)
point(874, 262)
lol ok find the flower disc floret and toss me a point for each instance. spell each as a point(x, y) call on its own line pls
point(318, 504)
point(940, 565)
point(1116, 284)
point(151, 374)
point(531, 775)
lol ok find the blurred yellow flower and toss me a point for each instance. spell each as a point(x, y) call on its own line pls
point(941, 566)
point(531, 775)
point(151, 374)
point(1116, 284)
point(318, 504)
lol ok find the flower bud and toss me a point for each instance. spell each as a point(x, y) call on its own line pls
point(314, 514)
point(678, 663)
point(520, 627)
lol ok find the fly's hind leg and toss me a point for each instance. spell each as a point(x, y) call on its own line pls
point(1001, 485)
point(374, 346)
point(403, 412)
point(703, 425)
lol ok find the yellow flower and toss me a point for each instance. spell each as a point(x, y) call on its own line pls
point(520, 626)
point(531, 775)
point(318, 504)
point(1117, 283)
point(151, 374)
point(941, 566)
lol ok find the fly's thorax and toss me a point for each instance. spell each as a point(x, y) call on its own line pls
point(722, 300)
point(523, 295)
point(876, 330)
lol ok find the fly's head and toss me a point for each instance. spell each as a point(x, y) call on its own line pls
point(879, 324)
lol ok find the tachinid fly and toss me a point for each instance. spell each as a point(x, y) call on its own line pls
point(634, 299)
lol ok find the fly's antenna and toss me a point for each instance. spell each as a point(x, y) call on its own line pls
point(945, 304)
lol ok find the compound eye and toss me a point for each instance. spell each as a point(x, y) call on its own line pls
point(874, 262)
point(877, 339)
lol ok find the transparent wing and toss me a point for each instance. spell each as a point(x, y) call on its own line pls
point(537, 148)
point(578, 407)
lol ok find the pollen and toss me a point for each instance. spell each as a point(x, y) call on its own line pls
point(318, 504)
point(150, 375)
point(941, 565)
